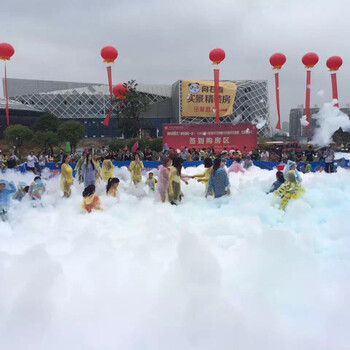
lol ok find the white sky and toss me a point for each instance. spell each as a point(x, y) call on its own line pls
point(163, 41)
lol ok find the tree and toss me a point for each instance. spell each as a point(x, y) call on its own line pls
point(47, 122)
point(129, 110)
point(116, 145)
point(18, 135)
point(341, 137)
point(157, 144)
point(46, 139)
point(71, 131)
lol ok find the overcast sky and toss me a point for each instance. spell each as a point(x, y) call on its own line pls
point(163, 41)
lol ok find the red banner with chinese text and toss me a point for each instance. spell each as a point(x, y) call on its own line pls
point(218, 136)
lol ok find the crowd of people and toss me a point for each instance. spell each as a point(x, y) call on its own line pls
point(91, 168)
point(37, 162)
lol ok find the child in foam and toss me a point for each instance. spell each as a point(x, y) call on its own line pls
point(6, 189)
point(292, 166)
point(112, 186)
point(90, 200)
point(36, 190)
point(22, 190)
point(151, 181)
point(290, 189)
point(279, 181)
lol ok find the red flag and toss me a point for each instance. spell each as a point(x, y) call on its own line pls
point(278, 126)
point(109, 74)
point(307, 100)
point(334, 88)
point(216, 95)
point(135, 147)
point(150, 138)
point(106, 121)
point(7, 100)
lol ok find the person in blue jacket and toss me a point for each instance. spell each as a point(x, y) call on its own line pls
point(292, 166)
point(6, 190)
point(218, 182)
point(279, 181)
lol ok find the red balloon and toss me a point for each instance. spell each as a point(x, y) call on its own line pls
point(109, 54)
point(277, 60)
point(310, 59)
point(217, 55)
point(6, 51)
point(334, 62)
point(120, 91)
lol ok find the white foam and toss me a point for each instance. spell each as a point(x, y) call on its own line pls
point(231, 274)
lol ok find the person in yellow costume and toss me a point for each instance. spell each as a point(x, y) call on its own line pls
point(204, 176)
point(174, 192)
point(135, 168)
point(66, 176)
point(98, 168)
point(90, 200)
point(290, 189)
point(107, 169)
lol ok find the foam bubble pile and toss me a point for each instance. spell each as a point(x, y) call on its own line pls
point(328, 120)
point(208, 274)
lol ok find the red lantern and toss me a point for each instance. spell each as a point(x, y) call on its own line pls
point(217, 55)
point(109, 54)
point(6, 51)
point(334, 63)
point(120, 91)
point(277, 60)
point(310, 59)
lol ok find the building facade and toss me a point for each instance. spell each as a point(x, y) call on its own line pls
point(89, 103)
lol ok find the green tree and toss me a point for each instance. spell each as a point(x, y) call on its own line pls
point(129, 110)
point(341, 137)
point(71, 131)
point(18, 136)
point(157, 144)
point(143, 143)
point(46, 139)
point(116, 145)
point(47, 122)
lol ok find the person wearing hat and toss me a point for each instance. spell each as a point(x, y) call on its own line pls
point(22, 190)
point(290, 189)
point(6, 189)
point(292, 166)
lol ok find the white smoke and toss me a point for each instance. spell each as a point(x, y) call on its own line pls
point(260, 122)
point(328, 120)
point(303, 121)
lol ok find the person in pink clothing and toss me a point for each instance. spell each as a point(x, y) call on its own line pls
point(236, 167)
point(163, 180)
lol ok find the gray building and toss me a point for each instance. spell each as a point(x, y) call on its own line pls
point(89, 103)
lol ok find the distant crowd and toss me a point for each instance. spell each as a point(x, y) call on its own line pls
point(37, 162)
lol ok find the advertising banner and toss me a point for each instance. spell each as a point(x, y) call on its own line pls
point(197, 98)
point(218, 136)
